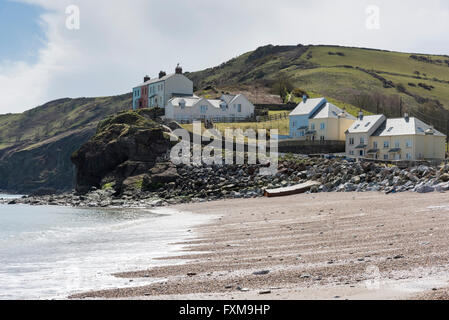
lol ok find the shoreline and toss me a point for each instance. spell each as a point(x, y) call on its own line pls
point(87, 247)
point(310, 246)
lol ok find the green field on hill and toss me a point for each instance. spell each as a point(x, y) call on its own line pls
point(374, 80)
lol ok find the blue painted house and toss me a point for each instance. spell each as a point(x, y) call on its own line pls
point(299, 118)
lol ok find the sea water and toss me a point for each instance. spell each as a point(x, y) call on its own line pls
point(50, 252)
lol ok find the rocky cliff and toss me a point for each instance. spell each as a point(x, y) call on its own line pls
point(36, 145)
point(125, 147)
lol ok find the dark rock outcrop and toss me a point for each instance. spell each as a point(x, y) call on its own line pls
point(126, 145)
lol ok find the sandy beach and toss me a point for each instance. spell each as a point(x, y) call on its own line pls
point(311, 246)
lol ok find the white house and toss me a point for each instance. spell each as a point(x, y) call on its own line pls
point(227, 108)
point(157, 92)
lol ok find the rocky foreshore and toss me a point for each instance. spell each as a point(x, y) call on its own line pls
point(184, 184)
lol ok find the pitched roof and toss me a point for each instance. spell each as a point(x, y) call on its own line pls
point(400, 126)
point(228, 98)
point(331, 111)
point(190, 101)
point(151, 81)
point(193, 100)
point(306, 108)
point(365, 124)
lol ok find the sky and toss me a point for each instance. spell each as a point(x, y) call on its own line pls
point(45, 55)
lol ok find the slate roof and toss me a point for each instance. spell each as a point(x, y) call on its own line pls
point(364, 125)
point(168, 76)
point(331, 111)
point(402, 127)
point(306, 108)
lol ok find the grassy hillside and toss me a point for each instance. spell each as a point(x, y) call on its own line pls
point(374, 80)
point(56, 117)
point(35, 146)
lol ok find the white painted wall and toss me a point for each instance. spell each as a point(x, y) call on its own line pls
point(193, 112)
point(177, 83)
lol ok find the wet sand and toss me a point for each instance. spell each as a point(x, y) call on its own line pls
point(315, 246)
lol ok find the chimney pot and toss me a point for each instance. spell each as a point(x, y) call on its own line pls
point(146, 78)
point(304, 98)
point(162, 74)
point(361, 115)
point(407, 117)
point(178, 69)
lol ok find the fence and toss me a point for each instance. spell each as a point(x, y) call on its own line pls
point(272, 117)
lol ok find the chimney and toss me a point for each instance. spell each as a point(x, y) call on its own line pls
point(178, 69)
point(361, 115)
point(162, 74)
point(304, 98)
point(146, 78)
point(406, 117)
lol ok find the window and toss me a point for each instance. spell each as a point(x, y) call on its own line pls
point(182, 104)
point(390, 129)
point(367, 125)
point(375, 145)
point(239, 108)
point(362, 140)
point(385, 156)
point(408, 156)
point(386, 144)
point(203, 109)
point(351, 152)
point(351, 141)
point(356, 127)
point(294, 124)
point(408, 144)
point(397, 145)
point(322, 138)
point(322, 126)
point(312, 126)
point(361, 153)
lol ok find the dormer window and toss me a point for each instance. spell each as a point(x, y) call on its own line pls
point(182, 104)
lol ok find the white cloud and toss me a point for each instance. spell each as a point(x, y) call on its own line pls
point(120, 41)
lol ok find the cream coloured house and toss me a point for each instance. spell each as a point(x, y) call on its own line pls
point(329, 123)
point(359, 134)
point(406, 138)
